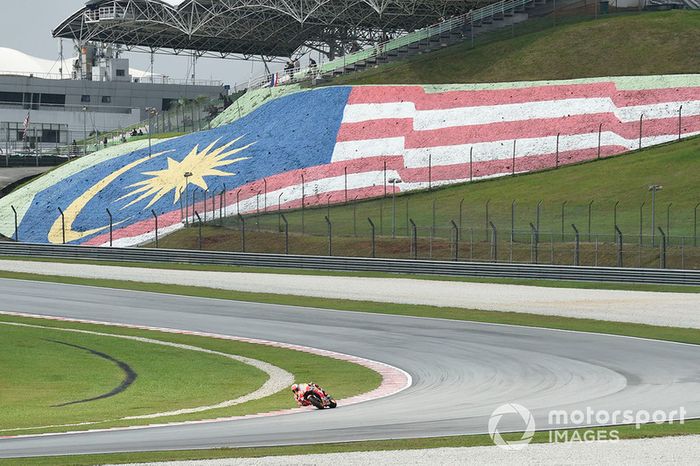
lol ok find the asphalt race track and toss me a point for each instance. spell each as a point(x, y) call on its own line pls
point(461, 371)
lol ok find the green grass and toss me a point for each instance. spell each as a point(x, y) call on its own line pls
point(628, 45)
point(41, 374)
point(334, 273)
point(624, 432)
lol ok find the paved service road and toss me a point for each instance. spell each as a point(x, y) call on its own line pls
point(12, 175)
point(461, 371)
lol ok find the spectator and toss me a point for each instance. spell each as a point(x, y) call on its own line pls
point(312, 64)
point(134, 132)
point(289, 68)
point(104, 142)
point(297, 66)
point(140, 132)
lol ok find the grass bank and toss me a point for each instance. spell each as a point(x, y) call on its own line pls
point(35, 378)
point(628, 45)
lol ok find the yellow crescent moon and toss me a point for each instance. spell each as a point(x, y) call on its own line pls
point(77, 206)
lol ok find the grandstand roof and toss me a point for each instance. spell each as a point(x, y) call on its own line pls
point(272, 28)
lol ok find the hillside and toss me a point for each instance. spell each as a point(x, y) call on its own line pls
point(638, 44)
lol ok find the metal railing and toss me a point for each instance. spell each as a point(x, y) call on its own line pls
point(416, 267)
point(415, 37)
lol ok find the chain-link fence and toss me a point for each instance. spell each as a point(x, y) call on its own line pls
point(359, 231)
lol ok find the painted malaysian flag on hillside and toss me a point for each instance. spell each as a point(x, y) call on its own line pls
point(335, 144)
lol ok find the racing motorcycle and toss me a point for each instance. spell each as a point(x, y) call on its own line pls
point(320, 399)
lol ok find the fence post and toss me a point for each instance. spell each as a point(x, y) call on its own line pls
point(515, 141)
point(221, 207)
point(617, 203)
point(111, 223)
point(577, 245)
point(668, 218)
point(430, 173)
point(680, 122)
point(346, 184)
point(199, 222)
point(556, 159)
point(16, 225)
point(194, 201)
point(385, 187)
point(455, 231)
point(619, 246)
point(488, 219)
point(205, 203)
point(242, 221)
point(590, 210)
point(471, 164)
point(563, 206)
point(330, 236)
point(641, 120)
point(224, 196)
point(641, 222)
point(494, 242)
point(662, 255)
point(63, 224)
point(265, 195)
point(600, 134)
point(155, 217)
point(414, 239)
point(537, 219)
point(373, 237)
point(286, 234)
point(302, 203)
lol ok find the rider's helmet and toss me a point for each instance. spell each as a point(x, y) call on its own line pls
point(295, 388)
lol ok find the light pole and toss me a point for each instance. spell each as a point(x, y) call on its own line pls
point(394, 182)
point(187, 176)
point(653, 188)
point(151, 113)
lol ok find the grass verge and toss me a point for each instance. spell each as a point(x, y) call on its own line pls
point(163, 379)
point(41, 373)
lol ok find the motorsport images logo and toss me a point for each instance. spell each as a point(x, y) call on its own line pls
point(510, 410)
point(574, 426)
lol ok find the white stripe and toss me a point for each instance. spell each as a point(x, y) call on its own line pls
point(503, 150)
point(356, 113)
point(351, 150)
point(480, 115)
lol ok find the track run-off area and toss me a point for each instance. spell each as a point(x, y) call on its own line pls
point(461, 371)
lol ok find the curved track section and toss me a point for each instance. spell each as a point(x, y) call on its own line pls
point(461, 371)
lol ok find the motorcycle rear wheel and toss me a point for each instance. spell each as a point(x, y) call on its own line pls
point(315, 400)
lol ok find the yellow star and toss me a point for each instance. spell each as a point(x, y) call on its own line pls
point(198, 164)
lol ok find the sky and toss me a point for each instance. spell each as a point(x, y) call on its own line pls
point(26, 26)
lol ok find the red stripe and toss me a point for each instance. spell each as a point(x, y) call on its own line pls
point(464, 98)
point(528, 129)
point(504, 167)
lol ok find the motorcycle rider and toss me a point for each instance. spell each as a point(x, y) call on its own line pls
point(300, 391)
